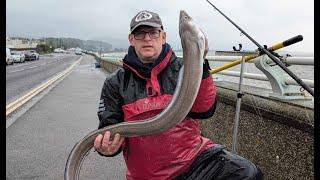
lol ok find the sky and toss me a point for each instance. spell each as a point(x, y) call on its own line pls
point(268, 22)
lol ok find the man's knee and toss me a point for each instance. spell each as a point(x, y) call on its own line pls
point(259, 174)
point(237, 167)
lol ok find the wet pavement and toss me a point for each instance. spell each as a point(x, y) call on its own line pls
point(39, 141)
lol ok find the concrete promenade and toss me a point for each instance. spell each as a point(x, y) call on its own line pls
point(38, 142)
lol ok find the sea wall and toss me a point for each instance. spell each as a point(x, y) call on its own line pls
point(276, 135)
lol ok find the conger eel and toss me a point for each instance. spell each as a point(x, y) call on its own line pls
point(193, 45)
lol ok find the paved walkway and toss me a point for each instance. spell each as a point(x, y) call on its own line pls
point(39, 142)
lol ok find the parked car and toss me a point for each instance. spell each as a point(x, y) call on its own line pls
point(18, 56)
point(59, 50)
point(29, 56)
point(9, 58)
point(97, 65)
point(78, 52)
point(35, 53)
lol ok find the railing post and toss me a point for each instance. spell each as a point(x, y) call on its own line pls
point(277, 78)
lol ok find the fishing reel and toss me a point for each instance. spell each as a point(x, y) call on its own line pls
point(283, 59)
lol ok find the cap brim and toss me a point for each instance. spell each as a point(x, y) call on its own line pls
point(146, 24)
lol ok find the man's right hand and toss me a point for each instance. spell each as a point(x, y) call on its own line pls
point(105, 146)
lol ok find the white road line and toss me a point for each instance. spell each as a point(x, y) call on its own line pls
point(25, 98)
point(31, 67)
point(42, 64)
point(16, 70)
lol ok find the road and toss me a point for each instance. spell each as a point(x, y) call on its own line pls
point(39, 142)
point(22, 77)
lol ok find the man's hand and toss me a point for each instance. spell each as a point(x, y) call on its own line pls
point(104, 145)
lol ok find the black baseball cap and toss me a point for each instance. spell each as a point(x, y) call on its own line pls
point(147, 18)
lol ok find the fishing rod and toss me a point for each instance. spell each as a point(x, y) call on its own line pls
point(250, 57)
point(274, 58)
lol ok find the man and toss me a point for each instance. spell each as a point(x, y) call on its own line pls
point(141, 89)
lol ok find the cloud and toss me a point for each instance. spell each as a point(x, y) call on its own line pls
point(267, 21)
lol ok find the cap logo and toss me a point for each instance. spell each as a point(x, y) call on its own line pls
point(142, 16)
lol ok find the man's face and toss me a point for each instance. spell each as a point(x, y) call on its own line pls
point(147, 42)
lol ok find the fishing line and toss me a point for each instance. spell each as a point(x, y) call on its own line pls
point(305, 107)
point(263, 50)
point(255, 106)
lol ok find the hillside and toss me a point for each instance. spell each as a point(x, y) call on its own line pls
point(66, 43)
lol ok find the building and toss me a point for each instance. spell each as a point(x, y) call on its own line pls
point(21, 43)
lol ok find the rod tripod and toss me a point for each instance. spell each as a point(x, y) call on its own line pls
point(243, 54)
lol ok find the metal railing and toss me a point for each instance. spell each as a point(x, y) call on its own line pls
point(308, 61)
point(283, 86)
point(255, 76)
